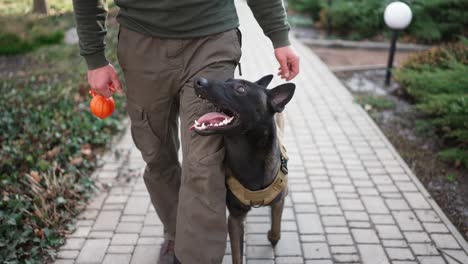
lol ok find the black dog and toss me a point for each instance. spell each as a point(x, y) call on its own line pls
point(248, 118)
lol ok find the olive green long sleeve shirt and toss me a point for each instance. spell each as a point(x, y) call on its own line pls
point(172, 19)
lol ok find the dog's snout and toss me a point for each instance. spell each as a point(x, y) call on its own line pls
point(200, 82)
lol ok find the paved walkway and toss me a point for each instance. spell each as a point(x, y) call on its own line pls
point(352, 199)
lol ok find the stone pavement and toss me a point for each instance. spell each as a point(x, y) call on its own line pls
point(352, 198)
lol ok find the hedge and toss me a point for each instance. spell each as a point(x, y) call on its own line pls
point(433, 20)
point(437, 80)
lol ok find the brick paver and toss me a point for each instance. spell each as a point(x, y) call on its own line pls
point(352, 198)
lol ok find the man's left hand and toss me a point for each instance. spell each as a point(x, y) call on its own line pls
point(289, 62)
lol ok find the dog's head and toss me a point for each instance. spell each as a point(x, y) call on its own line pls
point(241, 105)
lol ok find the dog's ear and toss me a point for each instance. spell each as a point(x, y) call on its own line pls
point(280, 96)
point(265, 80)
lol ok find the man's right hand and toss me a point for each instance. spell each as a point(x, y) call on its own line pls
point(102, 79)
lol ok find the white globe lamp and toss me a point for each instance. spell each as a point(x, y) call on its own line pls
point(397, 16)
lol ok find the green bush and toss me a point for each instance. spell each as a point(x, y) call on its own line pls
point(433, 20)
point(11, 44)
point(440, 56)
point(438, 20)
point(428, 81)
point(311, 7)
point(357, 19)
point(437, 80)
point(48, 39)
point(21, 33)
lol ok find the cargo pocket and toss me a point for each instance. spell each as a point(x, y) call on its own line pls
point(236, 39)
point(143, 136)
point(120, 50)
point(239, 38)
point(207, 177)
point(237, 43)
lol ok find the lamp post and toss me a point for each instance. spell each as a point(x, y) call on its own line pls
point(397, 17)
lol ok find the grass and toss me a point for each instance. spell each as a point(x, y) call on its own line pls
point(369, 102)
point(456, 155)
point(49, 142)
point(451, 177)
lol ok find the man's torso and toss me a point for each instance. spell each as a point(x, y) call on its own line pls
point(178, 19)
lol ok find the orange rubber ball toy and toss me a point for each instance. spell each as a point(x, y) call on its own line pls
point(101, 106)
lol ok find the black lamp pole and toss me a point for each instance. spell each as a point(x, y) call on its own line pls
point(391, 55)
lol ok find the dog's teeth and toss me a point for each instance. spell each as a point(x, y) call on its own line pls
point(196, 122)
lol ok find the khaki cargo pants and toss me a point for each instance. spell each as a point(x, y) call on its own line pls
point(189, 199)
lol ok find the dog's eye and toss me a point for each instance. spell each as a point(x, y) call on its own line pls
point(240, 89)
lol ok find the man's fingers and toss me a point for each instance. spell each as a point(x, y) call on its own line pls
point(104, 81)
point(289, 62)
point(294, 69)
point(116, 85)
point(284, 70)
point(104, 92)
point(102, 88)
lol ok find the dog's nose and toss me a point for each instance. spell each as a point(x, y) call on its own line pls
point(200, 82)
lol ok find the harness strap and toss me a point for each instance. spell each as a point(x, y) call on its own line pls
point(264, 196)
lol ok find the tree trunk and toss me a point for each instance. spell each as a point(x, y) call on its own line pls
point(40, 7)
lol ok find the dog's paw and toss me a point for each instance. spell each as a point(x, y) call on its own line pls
point(273, 238)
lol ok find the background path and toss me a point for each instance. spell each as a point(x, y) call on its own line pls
point(352, 198)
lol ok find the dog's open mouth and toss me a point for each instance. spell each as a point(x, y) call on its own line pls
point(219, 120)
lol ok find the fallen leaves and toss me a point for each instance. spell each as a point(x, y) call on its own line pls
point(39, 232)
point(86, 150)
point(76, 161)
point(35, 176)
point(53, 152)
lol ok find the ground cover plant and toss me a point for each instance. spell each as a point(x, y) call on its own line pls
point(437, 81)
point(369, 102)
point(48, 146)
point(433, 20)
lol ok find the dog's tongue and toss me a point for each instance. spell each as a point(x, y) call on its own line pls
point(211, 118)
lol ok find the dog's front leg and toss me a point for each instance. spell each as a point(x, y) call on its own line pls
point(236, 234)
point(274, 234)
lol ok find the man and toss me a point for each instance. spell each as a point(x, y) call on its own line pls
point(162, 46)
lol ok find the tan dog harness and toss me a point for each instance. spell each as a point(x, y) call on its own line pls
point(265, 196)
